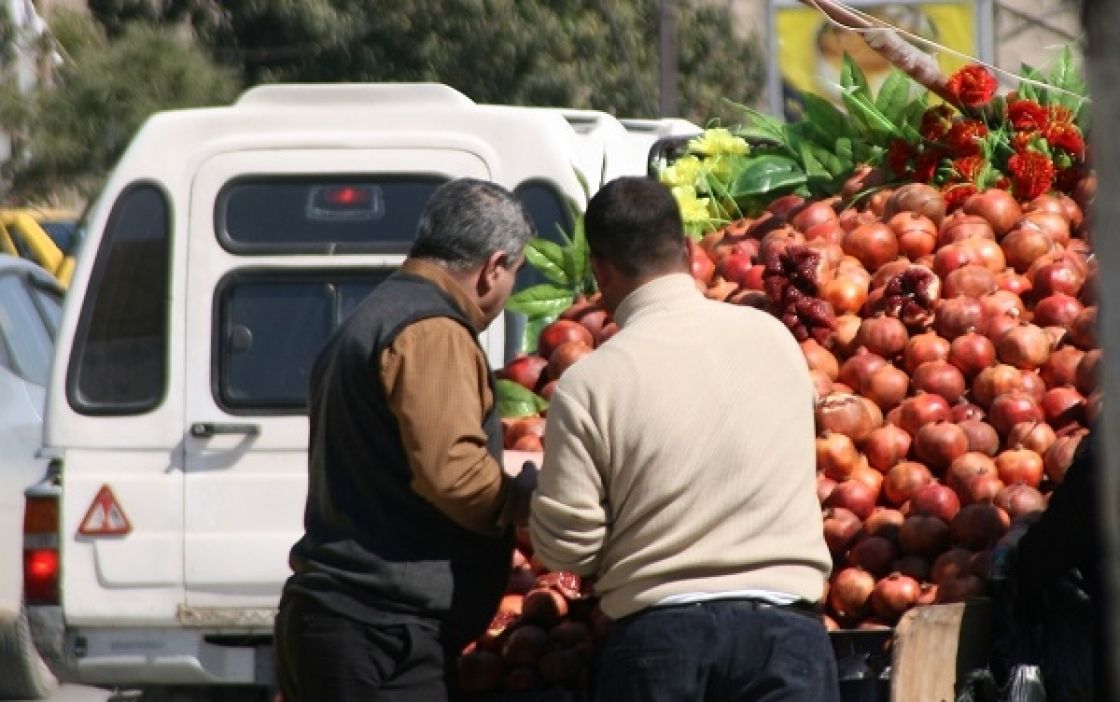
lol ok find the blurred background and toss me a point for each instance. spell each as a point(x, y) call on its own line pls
point(78, 77)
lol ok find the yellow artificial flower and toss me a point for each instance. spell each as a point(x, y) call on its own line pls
point(684, 171)
point(693, 208)
point(716, 141)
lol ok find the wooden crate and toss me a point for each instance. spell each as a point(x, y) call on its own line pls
point(934, 647)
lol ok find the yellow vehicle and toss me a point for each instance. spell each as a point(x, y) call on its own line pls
point(45, 236)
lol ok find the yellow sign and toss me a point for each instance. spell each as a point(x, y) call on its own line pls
point(811, 49)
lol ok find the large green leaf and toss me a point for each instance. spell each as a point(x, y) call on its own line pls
point(825, 117)
point(515, 400)
point(894, 96)
point(861, 108)
point(547, 257)
point(762, 127)
point(831, 161)
point(531, 333)
point(1067, 77)
point(852, 78)
point(766, 174)
point(911, 116)
point(814, 169)
point(540, 300)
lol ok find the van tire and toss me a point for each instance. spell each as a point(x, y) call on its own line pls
point(23, 674)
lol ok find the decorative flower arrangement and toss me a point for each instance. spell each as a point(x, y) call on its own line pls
point(1029, 142)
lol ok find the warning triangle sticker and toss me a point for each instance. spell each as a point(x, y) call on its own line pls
point(105, 516)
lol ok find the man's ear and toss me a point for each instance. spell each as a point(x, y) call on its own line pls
point(488, 276)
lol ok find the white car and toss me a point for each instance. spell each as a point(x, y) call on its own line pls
point(30, 308)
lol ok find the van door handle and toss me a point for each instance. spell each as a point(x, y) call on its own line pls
point(204, 430)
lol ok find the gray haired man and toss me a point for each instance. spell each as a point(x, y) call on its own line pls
point(408, 520)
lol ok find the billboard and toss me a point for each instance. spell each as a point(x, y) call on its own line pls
point(807, 49)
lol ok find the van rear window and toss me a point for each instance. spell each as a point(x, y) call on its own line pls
point(317, 215)
point(273, 324)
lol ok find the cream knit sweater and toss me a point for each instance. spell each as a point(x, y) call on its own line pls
point(679, 457)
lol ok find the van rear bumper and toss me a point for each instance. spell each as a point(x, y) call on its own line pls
point(137, 656)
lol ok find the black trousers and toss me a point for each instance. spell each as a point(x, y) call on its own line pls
point(324, 657)
point(725, 651)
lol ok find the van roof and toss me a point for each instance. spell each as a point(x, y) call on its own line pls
point(354, 94)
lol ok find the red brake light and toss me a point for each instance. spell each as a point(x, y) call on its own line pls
point(346, 195)
point(40, 576)
point(347, 202)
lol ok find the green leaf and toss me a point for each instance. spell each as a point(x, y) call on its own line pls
point(845, 151)
point(852, 78)
point(540, 300)
point(515, 400)
point(548, 258)
point(912, 115)
point(580, 255)
point(860, 107)
point(1029, 91)
point(1067, 77)
point(834, 164)
point(767, 174)
point(894, 96)
point(814, 169)
point(1064, 72)
point(825, 117)
point(531, 333)
point(767, 126)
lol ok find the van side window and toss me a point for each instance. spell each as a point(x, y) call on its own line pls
point(317, 214)
point(272, 326)
point(119, 361)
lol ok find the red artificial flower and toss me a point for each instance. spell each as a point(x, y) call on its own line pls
point(964, 137)
point(956, 193)
point(1026, 115)
point(972, 86)
point(1032, 173)
point(898, 156)
point(925, 166)
point(1066, 136)
point(936, 122)
point(1021, 140)
point(1003, 183)
point(968, 167)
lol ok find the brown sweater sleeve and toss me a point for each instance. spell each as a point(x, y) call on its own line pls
point(436, 383)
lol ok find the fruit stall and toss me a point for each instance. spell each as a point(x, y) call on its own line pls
point(932, 256)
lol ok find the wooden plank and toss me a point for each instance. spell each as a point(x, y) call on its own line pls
point(935, 646)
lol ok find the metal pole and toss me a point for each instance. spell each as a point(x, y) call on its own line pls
point(667, 49)
point(1101, 20)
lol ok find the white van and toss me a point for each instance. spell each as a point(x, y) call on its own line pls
point(226, 246)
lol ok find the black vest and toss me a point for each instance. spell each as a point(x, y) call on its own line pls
point(374, 550)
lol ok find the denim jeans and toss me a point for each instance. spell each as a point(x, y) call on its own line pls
point(725, 651)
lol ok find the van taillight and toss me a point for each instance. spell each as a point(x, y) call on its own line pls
point(40, 576)
point(40, 551)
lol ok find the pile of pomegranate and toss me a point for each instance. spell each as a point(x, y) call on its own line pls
point(954, 357)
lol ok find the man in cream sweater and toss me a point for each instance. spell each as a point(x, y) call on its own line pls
point(679, 471)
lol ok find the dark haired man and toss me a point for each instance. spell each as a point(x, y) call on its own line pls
point(680, 471)
point(408, 520)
